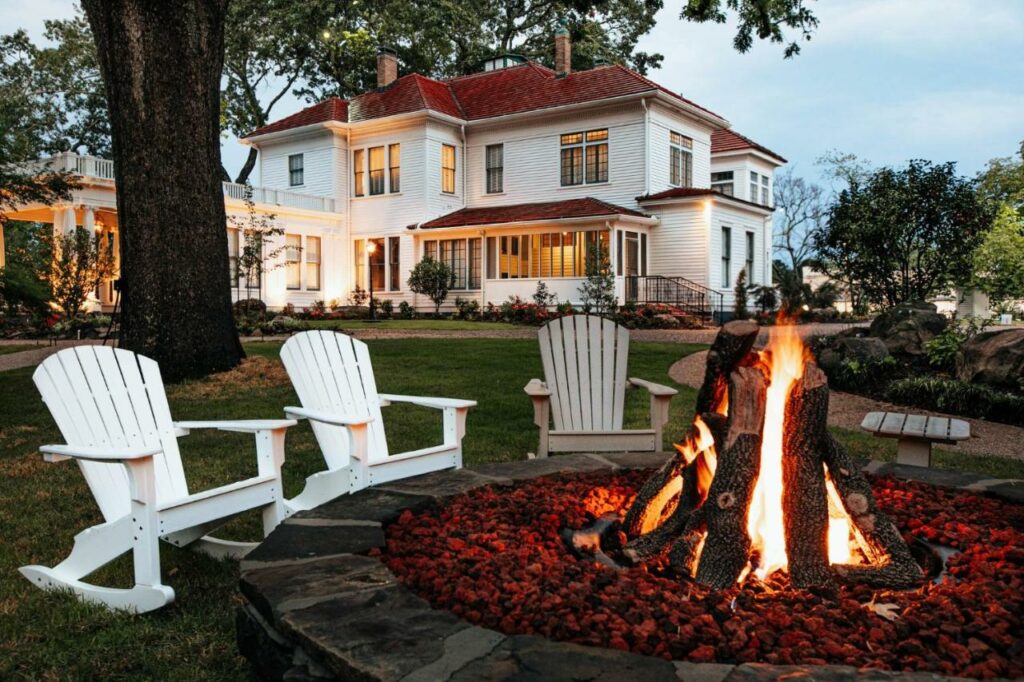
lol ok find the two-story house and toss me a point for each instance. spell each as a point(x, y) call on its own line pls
point(512, 176)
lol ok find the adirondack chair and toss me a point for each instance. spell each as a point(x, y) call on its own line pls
point(584, 359)
point(333, 378)
point(110, 406)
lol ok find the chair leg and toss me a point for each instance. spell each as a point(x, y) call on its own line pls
point(321, 487)
point(269, 458)
point(541, 417)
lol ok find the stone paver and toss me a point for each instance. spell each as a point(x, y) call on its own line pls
point(317, 606)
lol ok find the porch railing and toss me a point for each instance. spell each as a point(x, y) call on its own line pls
point(690, 297)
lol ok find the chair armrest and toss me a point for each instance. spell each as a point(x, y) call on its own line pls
point(537, 389)
point(56, 453)
point(652, 388)
point(238, 425)
point(326, 417)
point(427, 402)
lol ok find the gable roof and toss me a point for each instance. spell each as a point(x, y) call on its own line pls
point(512, 90)
point(587, 207)
point(727, 140)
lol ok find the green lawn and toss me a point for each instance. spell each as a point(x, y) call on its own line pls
point(6, 349)
point(440, 324)
point(43, 505)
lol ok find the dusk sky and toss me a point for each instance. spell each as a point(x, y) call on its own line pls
point(888, 80)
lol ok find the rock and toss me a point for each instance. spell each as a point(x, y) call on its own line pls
point(905, 328)
point(995, 358)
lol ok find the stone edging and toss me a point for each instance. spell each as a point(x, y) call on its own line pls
point(317, 607)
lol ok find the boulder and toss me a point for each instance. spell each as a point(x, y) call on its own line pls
point(666, 321)
point(995, 358)
point(905, 328)
point(842, 347)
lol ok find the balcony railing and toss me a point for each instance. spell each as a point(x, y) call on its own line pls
point(95, 167)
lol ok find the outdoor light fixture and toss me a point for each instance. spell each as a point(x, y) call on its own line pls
point(371, 248)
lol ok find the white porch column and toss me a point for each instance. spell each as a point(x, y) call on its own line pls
point(483, 267)
point(64, 221)
point(89, 218)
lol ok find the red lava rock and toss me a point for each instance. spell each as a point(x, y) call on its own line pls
point(495, 557)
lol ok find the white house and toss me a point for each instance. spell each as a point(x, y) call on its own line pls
point(510, 175)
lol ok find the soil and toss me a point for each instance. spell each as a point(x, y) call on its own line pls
point(495, 557)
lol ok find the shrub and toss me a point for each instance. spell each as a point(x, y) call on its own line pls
point(958, 397)
point(282, 325)
point(739, 306)
point(941, 351)
point(245, 307)
point(358, 296)
point(863, 375)
point(387, 308)
point(597, 292)
point(405, 311)
point(543, 297)
point(467, 308)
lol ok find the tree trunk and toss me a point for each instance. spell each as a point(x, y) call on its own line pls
point(250, 163)
point(161, 64)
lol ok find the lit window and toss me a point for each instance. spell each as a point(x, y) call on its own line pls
point(448, 169)
point(750, 258)
point(358, 172)
point(295, 170)
point(394, 268)
point(495, 162)
point(376, 170)
point(592, 147)
point(312, 263)
point(462, 256)
point(723, 182)
point(394, 168)
point(377, 264)
point(680, 160)
point(293, 261)
point(360, 258)
point(543, 256)
point(726, 255)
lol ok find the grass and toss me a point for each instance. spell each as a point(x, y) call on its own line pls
point(43, 505)
point(426, 324)
point(6, 349)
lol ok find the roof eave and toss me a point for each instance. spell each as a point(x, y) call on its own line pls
point(773, 159)
point(641, 220)
point(490, 120)
point(692, 109)
point(714, 196)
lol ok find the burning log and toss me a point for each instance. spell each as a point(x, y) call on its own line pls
point(761, 484)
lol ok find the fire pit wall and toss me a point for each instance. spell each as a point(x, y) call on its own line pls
point(316, 606)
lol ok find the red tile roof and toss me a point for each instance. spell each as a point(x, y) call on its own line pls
point(587, 207)
point(729, 140)
point(684, 192)
point(331, 109)
point(529, 87)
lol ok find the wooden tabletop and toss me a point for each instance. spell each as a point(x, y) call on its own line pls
point(901, 425)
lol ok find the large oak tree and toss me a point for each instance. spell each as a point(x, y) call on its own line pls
point(161, 64)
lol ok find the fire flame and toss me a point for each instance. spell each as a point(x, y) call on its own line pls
point(700, 446)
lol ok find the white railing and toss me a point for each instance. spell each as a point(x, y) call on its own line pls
point(280, 197)
point(95, 167)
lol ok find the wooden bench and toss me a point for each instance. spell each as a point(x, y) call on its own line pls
point(916, 433)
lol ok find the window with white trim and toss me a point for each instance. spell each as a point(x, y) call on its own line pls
point(755, 184)
point(313, 259)
point(726, 255)
point(394, 265)
point(494, 160)
point(584, 157)
point(462, 256)
point(547, 255)
point(296, 170)
point(749, 265)
point(766, 198)
point(723, 182)
point(358, 172)
point(293, 261)
point(448, 169)
point(376, 170)
point(680, 160)
point(394, 168)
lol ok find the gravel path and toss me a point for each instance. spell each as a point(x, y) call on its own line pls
point(846, 410)
point(28, 358)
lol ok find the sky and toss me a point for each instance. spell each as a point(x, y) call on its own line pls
point(887, 80)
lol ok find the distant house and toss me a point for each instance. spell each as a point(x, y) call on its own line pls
point(511, 175)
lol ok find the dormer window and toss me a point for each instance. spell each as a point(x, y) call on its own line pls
point(295, 170)
point(591, 146)
point(680, 160)
point(724, 183)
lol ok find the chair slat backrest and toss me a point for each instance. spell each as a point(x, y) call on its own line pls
point(331, 372)
point(102, 396)
point(584, 359)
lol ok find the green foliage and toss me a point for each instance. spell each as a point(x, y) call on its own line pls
point(739, 306)
point(358, 296)
point(793, 292)
point(81, 261)
point(258, 230)
point(958, 397)
point(765, 19)
point(999, 260)
point(597, 291)
point(405, 311)
point(467, 308)
point(825, 296)
point(941, 351)
point(432, 278)
point(1002, 181)
point(543, 297)
point(863, 375)
point(903, 234)
point(765, 298)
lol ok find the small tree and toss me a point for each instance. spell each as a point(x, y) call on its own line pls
point(765, 298)
point(258, 231)
point(597, 292)
point(543, 297)
point(999, 260)
point(80, 262)
point(434, 279)
point(739, 306)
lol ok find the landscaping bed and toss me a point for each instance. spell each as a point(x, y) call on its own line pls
point(495, 557)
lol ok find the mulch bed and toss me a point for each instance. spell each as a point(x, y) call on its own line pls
point(495, 557)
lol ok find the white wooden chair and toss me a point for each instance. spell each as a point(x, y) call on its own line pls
point(333, 378)
point(584, 388)
point(112, 410)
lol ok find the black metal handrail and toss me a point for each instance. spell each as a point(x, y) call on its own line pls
point(689, 296)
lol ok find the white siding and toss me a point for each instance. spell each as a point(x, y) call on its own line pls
point(741, 222)
point(663, 121)
point(678, 245)
point(321, 153)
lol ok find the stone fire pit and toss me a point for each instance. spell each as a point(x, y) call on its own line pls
point(317, 605)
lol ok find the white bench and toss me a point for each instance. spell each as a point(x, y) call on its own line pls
point(916, 433)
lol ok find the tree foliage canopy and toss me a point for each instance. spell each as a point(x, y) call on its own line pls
point(1002, 181)
point(765, 19)
point(904, 234)
point(999, 260)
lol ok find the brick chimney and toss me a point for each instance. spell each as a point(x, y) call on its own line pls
point(563, 49)
point(387, 66)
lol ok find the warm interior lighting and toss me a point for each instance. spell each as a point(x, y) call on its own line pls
point(371, 247)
